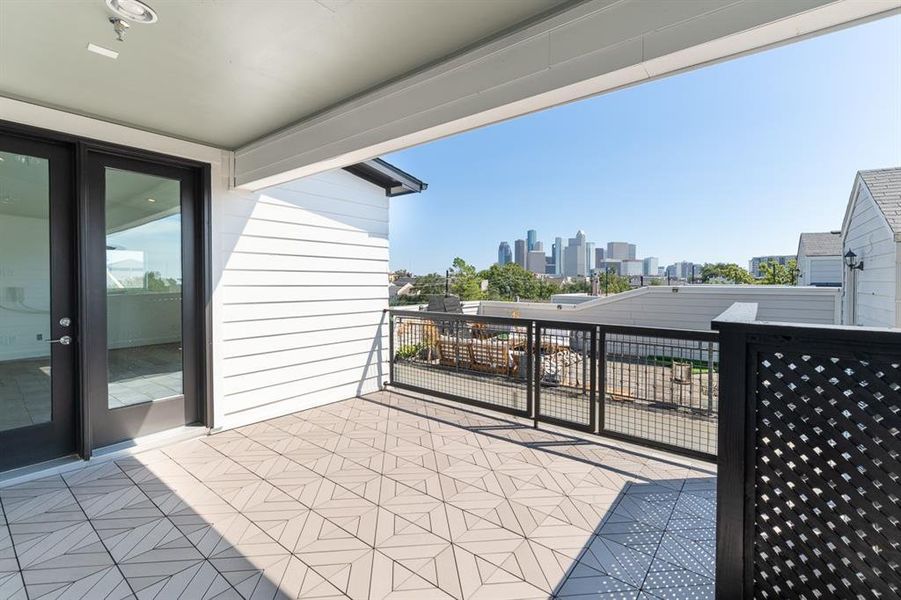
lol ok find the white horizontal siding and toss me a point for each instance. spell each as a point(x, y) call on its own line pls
point(825, 270)
point(303, 284)
point(875, 287)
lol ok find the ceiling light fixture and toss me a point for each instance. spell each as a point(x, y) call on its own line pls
point(151, 200)
point(133, 10)
point(103, 51)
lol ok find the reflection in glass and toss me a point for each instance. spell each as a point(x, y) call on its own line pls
point(143, 286)
point(24, 291)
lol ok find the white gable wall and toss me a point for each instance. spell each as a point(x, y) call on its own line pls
point(875, 289)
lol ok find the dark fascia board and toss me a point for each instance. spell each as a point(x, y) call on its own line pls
point(385, 175)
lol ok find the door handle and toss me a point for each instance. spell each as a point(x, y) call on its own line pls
point(64, 341)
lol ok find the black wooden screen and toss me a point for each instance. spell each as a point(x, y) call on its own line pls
point(809, 498)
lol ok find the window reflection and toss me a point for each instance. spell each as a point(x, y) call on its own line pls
point(144, 287)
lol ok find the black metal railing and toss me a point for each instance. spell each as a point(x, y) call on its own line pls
point(809, 473)
point(655, 387)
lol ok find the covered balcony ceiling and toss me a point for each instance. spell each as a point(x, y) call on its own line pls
point(227, 73)
point(296, 88)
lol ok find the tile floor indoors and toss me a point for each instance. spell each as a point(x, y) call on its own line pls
point(386, 496)
point(136, 375)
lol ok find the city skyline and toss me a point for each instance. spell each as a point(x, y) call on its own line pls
point(720, 164)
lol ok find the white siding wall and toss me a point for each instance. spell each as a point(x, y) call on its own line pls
point(691, 307)
point(876, 287)
point(303, 284)
point(825, 270)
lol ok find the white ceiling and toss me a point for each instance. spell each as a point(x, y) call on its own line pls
point(24, 192)
point(226, 72)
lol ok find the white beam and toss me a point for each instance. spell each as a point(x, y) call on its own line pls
point(595, 47)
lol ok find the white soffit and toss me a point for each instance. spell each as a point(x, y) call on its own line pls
point(594, 47)
point(226, 72)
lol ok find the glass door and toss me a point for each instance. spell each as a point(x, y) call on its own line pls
point(38, 337)
point(142, 341)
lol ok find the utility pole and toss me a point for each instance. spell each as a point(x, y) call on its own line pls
point(447, 283)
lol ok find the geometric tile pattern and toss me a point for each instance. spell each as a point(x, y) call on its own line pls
point(386, 496)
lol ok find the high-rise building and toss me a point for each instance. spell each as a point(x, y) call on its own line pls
point(589, 257)
point(684, 270)
point(531, 239)
point(621, 250)
point(504, 254)
point(631, 268)
point(549, 266)
point(574, 256)
point(520, 252)
point(536, 261)
point(537, 246)
point(754, 263)
point(558, 256)
point(650, 266)
point(609, 266)
point(598, 257)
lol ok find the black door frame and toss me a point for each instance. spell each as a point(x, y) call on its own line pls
point(43, 441)
point(79, 148)
point(113, 426)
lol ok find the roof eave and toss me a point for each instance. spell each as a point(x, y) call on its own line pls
point(394, 181)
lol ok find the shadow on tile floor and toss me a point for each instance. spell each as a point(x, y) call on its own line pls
point(366, 500)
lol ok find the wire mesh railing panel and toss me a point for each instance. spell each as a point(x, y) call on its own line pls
point(662, 389)
point(565, 389)
point(469, 360)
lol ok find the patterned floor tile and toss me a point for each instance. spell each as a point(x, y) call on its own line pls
point(383, 497)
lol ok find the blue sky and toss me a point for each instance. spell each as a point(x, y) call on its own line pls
point(718, 164)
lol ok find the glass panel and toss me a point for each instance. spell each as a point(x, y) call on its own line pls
point(24, 291)
point(143, 287)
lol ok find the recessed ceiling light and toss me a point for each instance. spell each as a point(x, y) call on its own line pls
point(103, 51)
point(150, 200)
point(133, 10)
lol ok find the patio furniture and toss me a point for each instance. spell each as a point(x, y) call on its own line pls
point(491, 355)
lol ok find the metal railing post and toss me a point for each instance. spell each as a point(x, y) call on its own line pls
point(592, 383)
point(709, 377)
point(537, 376)
point(602, 379)
point(584, 365)
point(530, 392)
point(390, 347)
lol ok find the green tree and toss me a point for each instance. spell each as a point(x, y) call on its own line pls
point(426, 285)
point(611, 283)
point(577, 286)
point(731, 272)
point(772, 273)
point(511, 281)
point(466, 282)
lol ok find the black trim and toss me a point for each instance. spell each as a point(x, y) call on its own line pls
point(56, 437)
point(385, 175)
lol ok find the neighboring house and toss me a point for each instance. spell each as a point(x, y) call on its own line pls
point(820, 259)
point(872, 231)
point(395, 290)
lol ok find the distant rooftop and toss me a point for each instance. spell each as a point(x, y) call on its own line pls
point(885, 187)
point(827, 243)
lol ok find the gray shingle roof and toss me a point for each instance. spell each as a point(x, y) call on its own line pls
point(885, 187)
point(827, 243)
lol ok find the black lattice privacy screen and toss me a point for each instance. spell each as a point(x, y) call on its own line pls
point(827, 476)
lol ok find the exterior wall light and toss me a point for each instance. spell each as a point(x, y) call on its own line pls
point(851, 261)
